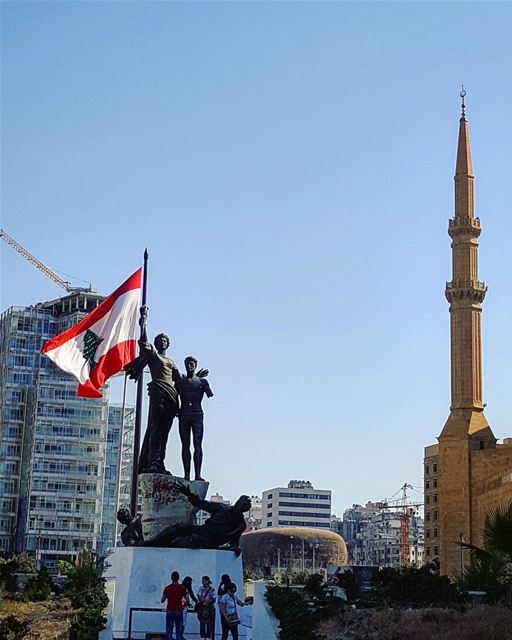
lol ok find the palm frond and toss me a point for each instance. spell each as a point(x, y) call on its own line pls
point(498, 530)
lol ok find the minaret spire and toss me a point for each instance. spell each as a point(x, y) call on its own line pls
point(466, 428)
point(464, 198)
point(465, 292)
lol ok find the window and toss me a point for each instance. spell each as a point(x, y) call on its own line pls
point(434, 468)
point(269, 497)
point(435, 515)
point(436, 551)
point(435, 483)
point(308, 505)
point(304, 514)
point(427, 533)
point(427, 470)
point(310, 496)
point(427, 516)
point(435, 497)
point(270, 524)
point(427, 484)
point(427, 551)
point(427, 499)
point(435, 533)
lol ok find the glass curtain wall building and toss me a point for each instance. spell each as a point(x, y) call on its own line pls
point(117, 486)
point(58, 461)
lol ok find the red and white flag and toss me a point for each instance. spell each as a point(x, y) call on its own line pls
point(103, 342)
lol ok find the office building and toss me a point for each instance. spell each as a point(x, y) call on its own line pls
point(297, 505)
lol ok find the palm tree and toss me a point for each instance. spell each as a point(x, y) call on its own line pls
point(491, 565)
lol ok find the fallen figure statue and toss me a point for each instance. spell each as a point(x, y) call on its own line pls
point(222, 530)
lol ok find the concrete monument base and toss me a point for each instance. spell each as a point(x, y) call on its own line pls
point(163, 505)
point(136, 577)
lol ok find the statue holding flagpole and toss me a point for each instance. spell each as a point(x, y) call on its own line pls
point(163, 399)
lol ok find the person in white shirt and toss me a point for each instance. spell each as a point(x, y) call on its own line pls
point(206, 608)
point(229, 614)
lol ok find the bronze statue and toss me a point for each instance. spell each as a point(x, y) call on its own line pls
point(131, 535)
point(222, 529)
point(163, 400)
point(191, 389)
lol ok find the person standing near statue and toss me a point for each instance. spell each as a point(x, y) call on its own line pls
point(191, 389)
point(163, 400)
point(175, 594)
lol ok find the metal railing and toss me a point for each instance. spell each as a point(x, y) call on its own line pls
point(130, 622)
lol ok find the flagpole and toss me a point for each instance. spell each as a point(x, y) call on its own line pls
point(140, 384)
point(120, 462)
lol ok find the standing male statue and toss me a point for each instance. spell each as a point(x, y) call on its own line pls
point(163, 400)
point(191, 389)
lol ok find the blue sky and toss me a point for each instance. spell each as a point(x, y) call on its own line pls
point(290, 168)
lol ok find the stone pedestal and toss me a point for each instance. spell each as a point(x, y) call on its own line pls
point(163, 505)
point(136, 577)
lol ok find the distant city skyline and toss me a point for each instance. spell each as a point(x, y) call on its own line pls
point(290, 168)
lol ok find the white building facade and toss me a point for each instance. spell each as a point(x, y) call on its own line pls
point(297, 505)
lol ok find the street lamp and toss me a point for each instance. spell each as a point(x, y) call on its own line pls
point(314, 546)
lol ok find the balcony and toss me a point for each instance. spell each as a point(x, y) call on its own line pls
point(464, 289)
point(464, 226)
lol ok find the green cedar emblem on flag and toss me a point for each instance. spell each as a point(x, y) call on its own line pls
point(91, 342)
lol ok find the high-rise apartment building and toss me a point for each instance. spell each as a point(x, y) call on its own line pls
point(372, 535)
point(466, 473)
point(254, 516)
point(297, 505)
point(118, 472)
point(56, 449)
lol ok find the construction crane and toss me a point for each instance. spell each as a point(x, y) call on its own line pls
point(37, 263)
point(407, 509)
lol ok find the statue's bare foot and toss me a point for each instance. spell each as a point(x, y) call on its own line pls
point(187, 476)
point(199, 479)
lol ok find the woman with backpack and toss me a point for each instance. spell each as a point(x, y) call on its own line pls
point(206, 597)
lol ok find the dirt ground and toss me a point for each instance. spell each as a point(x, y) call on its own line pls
point(480, 623)
point(48, 620)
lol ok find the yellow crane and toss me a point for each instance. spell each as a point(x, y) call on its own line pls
point(49, 273)
point(406, 508)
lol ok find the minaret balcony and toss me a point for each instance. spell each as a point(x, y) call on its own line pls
point(463, 289)
point(464, 226)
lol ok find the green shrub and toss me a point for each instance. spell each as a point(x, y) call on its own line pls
point(38, 587)
point(22, 563)
point(12, 629)
point(86, 591)
point(314, 584)
point(347, 581)
point(295, 619)
point(413, 587)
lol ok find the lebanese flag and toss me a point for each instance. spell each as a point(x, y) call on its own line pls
point(103, 342)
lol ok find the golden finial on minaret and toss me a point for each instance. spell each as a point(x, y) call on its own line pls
point(463, 106)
